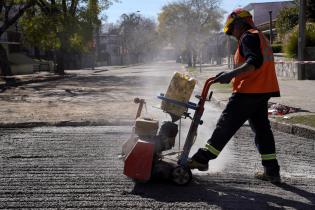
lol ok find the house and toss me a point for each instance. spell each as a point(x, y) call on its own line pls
point(263, 12)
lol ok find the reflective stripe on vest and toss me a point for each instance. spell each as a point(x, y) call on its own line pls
point(261, 80)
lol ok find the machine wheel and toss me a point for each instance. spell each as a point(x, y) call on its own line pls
point(181, 175)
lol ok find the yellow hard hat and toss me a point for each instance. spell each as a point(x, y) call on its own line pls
point(237, 13)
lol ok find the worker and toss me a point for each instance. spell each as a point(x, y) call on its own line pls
point(254, 82)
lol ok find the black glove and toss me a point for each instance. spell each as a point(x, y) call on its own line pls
point(222, 72)
point(224, 78)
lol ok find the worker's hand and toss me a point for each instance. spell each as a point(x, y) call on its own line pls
point(222, 72)
point(224, 78)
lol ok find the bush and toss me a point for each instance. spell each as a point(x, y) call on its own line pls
point(277, 48)
point(290, 43)
point(286, 20)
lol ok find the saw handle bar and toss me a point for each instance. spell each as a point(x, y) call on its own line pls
point(192, 133)
point(206, 88)
point(204, 93)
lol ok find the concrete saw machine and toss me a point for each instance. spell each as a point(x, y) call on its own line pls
point(144, 152)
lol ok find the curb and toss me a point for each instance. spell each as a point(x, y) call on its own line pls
point(68, 123)
point(294, 129)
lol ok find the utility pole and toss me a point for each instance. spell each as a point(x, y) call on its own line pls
point(270, 27)
point(301, 40)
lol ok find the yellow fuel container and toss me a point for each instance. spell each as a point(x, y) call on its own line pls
point(179, 89)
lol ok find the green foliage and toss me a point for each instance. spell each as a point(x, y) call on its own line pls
point(308, 120)
point(288, 17)
point(92, 12)
point(277, 48)
point(40, 31)
point(310, 9)
point(286, 20)
point(11, 11)
point(291, 40)
point(69, 27)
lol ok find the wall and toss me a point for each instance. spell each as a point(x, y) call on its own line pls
point(286, 67)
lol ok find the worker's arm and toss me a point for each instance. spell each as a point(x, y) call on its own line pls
point(250, 50)
point(246, 67)
point(226, 77)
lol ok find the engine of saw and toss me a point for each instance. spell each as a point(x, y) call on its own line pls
point(143, 152)
point(164, 139)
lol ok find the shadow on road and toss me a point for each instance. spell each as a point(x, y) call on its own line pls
point(18, 83)
point(221, 195)
point(307, 195)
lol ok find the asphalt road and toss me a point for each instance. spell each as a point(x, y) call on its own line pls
point(78, 167)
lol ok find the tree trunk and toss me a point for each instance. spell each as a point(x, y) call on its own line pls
point(194, 58)
point(61, 54)
point(6, 72)
point(37, 53)
point(60, 62)
point(189, 57)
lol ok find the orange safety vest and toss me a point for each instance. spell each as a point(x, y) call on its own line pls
point(261, 80)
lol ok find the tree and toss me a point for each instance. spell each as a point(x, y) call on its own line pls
point(310, 9)
point(187, 24)
point(126, 28)
point(66, 26)
point(10, 12)
point(139, 36)
point(288, 17)
point(286, 20)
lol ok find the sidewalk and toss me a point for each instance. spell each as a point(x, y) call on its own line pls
point(82, 97)
point(294, 93)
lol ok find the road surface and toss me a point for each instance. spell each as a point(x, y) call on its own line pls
point(78, 167)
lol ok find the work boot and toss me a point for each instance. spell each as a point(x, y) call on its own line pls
point(270, 174)
point(200, 160)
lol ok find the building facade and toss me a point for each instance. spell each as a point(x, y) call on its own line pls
point(110, 50)
point(263, 12)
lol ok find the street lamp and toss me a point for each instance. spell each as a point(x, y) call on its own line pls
point(270, 27)
point(301, 40)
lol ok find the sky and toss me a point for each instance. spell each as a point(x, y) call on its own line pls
point(151, 8)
